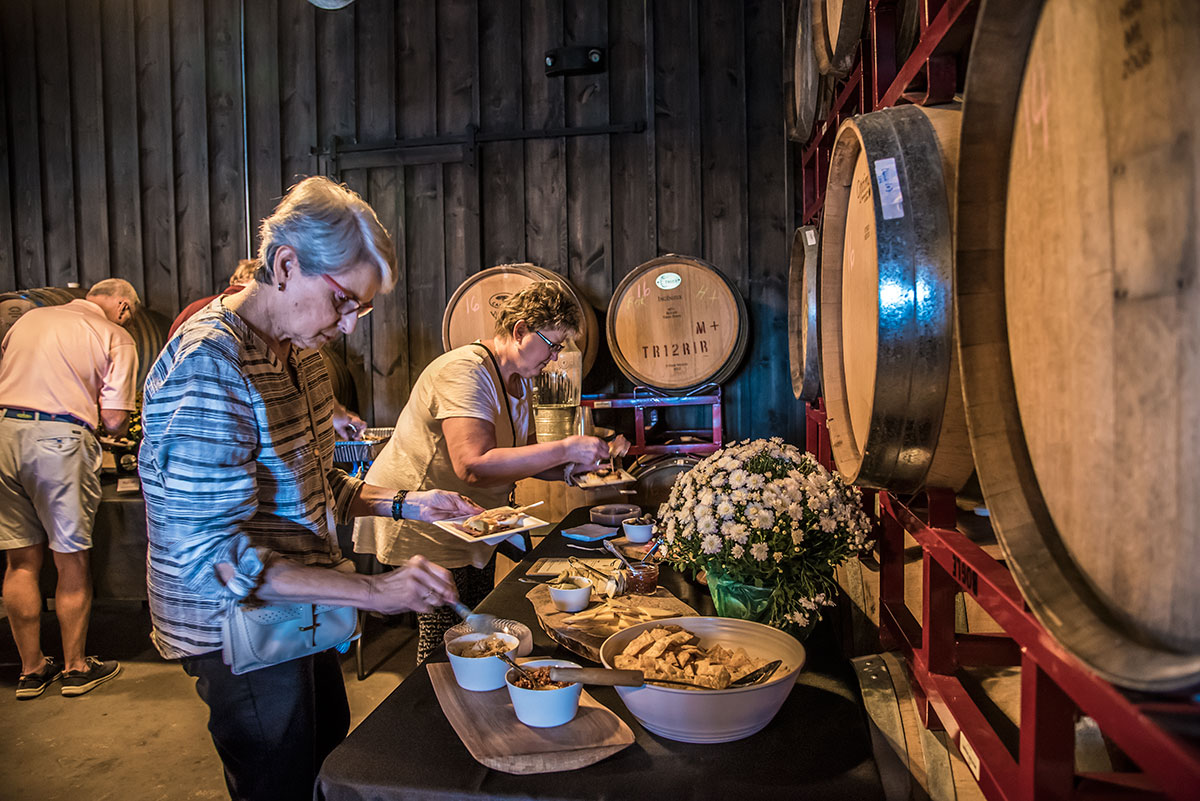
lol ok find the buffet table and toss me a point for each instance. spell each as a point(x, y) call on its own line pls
point(816, 747)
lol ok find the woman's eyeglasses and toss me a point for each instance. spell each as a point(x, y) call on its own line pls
point(345, 303)
point(555, 347)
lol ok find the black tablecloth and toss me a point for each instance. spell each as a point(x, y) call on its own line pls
point(816, 747)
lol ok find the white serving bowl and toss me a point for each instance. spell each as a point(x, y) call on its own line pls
point(638, 532)
point(514, 627)
point(712, 716)
point(572, 599)
point(544, 708)
point(480, 673)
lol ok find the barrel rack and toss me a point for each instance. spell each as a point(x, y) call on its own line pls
point(1054, 685)
point(644, 398)
point(875, 82)
point(1158, 733)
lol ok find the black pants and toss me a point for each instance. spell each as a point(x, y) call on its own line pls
point(473, 584)
point(273, 727)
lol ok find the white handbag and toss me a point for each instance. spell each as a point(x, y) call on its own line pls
point(268, 635)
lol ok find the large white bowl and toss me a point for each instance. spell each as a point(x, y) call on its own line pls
point(712, 716)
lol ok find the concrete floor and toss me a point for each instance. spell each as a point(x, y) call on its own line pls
point(142, 736)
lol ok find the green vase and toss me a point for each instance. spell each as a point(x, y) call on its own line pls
point(735, 599)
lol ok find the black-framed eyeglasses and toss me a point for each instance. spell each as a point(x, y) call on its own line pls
point(555, 347)
point(344, 302)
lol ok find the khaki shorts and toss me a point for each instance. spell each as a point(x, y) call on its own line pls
point(49, 484)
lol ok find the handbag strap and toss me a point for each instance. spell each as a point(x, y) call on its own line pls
point(326, 491)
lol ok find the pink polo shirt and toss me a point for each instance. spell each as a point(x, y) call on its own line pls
point(66, 360)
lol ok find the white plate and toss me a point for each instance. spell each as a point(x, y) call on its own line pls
point(527, 522)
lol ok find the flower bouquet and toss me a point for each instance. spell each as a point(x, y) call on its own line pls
point(768, 525)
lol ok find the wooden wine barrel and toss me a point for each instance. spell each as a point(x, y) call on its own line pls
point(913, 762)
point(803, 78)
point(908, 29)
point(803, 309)
point(471, 312)
point(344, 389)
point(676, 323)
point(14, 304)
point(1079, 313)
point(889, 368)
point(837, 28)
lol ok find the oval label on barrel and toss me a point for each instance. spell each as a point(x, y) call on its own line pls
point(668, 281)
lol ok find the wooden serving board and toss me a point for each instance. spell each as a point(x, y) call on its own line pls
point(488, 727)
point(585, 638)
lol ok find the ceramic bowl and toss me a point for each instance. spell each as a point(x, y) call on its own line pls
point(544, 708)
point(638, 532)
point(480, 673)
point(712, 716)
point(572, 599)
point(514, 627)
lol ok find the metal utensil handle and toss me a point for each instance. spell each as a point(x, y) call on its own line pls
point(600, 676)
point(615, 551)
point(516, 667)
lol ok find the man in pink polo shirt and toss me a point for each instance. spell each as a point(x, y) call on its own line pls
point(64, 370)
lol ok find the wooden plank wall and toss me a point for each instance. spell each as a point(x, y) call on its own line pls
point(125, 151)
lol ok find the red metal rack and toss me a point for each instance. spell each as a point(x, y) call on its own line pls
point(644, 398)
point(1054, 685)
point(875, 82)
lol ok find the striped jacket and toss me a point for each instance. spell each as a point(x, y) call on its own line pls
point(231, 471)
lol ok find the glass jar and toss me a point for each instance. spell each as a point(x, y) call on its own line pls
point(556, 394)
point(643, 578)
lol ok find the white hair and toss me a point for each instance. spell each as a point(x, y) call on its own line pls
point(331, 229)
point(118, 288)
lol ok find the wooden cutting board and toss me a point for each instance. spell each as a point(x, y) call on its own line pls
point(585, 638)
point(488, 727)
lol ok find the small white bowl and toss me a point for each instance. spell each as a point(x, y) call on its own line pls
point(503, 625)
point(572, 599)
point(480, 673)
point(638, 532)
point(544, 708)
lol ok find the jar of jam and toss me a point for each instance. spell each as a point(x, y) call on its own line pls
point(643, 578)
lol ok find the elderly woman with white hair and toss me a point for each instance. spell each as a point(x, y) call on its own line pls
point(242, 496)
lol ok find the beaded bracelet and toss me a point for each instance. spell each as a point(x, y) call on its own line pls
point(398, 504)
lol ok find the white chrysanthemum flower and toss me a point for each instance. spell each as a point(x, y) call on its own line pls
point(736, 532)
point(706, 525)
point(725, 509)
point(828, 524)
point(737, 478)
point(737, 551)
point(814, 503)
point(706, 496)
point(778, 557)
point(759, 551)
point(797, 535)
point(711, 544)
point(720, 479)
point(739, 496)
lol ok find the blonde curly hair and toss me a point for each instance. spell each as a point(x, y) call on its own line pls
point(542, 305)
